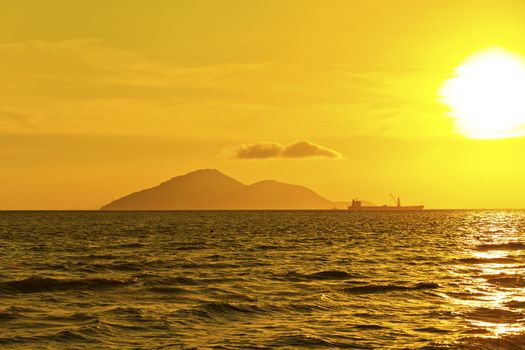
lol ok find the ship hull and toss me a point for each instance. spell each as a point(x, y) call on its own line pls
point(387, 208)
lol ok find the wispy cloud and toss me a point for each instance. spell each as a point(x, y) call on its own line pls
point(91, 86)
point(297, 149)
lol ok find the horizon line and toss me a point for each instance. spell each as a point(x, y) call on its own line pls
point(233, 210)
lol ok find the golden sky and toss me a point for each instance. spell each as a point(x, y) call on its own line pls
point(102, 98)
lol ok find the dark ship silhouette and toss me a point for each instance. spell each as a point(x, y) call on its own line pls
point(357, 206)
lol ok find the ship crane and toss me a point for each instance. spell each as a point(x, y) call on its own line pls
point(397, 202)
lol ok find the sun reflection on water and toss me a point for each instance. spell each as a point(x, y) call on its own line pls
point(492, 291)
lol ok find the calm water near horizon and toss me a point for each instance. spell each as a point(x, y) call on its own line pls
point(262, 279)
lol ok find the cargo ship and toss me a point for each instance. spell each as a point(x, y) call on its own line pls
point(357, 206)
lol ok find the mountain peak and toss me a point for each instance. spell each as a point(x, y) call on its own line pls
point(200, 175)
point(211, 189)
point(201, 172)
point(204, 171)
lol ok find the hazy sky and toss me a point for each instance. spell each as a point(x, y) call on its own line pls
point(102, 98)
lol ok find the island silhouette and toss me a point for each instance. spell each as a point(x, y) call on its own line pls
point(209, 189)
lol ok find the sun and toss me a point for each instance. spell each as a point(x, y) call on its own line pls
point(486, 95)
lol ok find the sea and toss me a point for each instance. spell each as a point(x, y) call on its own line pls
point(444, 279)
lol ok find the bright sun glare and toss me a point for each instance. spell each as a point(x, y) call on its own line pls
point(487, 95)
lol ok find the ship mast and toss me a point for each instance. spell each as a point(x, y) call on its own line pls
point(396, 202)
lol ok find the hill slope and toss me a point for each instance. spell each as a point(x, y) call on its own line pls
point(191, 191)
point(271, 194)
point(210, 189)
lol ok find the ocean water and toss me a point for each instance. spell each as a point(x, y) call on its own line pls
point(262, 280)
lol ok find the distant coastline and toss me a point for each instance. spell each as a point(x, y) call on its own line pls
point(209, 189)
point(237, 210)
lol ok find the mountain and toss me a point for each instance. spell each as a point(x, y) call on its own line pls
point(191, 191)
point(269, 194)
point(211, 189)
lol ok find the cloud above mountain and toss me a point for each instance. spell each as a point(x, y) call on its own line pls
point(297, 149)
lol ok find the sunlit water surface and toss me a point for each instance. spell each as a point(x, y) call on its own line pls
point(267, 280)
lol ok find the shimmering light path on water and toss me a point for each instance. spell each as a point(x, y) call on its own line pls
point(141, 280)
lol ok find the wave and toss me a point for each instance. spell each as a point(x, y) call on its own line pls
point(470, 295)
point(123, 266)
point(307, 307)
point(62, 336)
point(267, 247)
point(191, 247)
point(7, 316)
point(479, 331)
point(487, 261)
point(501, 246)
point(322, 275)
point(180, 280)
point(224, 309)
point(75, 317)
point(117, 265)
point(72, 336)
point(167, 290)
point(382, 288)
point(432, 330)
point(309, 341)
point(494, 315)
point(125, 311)
point(371, 327)
point(504, 280)
point(330, 275)
point(170, 282)
point(516, 304)
point(41, 284)
point(97, 256)
point(131, 245)
point(199, 265)
point(513, 341)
